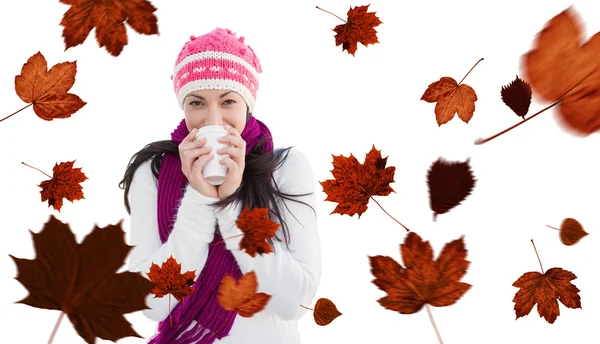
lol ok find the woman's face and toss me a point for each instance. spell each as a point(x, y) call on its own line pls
point(214, 107)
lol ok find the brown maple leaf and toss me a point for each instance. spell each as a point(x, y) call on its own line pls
point(546, 290)
point(241, 296)
point(81, 280)
point(422, 280)
point(517, 96)
point(257, 228)
point(47, 89)
point(355, 183)
point(563, 70)
point(571, 231)
point(449, 184)
point(168, 279)
point(451, 98)
point(108, 17)
point(64, 184)
point(325, 312)
point(360, 27)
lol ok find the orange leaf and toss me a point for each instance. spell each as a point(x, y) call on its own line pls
point(64, 184)
point(47, 90)
point(257, 227)
point(571, 231)
point(559, 63)
point(108, 17)
point(449, 184)
point(517, 96)
point(325, 312)
point(423, 280)
point(241, 296)
point(168, 279)
point(451, 98)
point(81, 280)
point(546, 290)
point(360, 27)
point(355, 183)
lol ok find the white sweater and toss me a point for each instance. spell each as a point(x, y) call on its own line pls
point(292, 278)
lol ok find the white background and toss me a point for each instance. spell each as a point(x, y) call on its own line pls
point(324, 101)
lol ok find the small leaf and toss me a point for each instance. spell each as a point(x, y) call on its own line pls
point(571, 231)
point(360, 27)
point(451, 98)
point(257, 228)
point(517, 96)
point(64, 184)
point(168, 279)
point(325, 312)
point(241, 296)
point(449, 184)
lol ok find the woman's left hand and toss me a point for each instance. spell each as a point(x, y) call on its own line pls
point(235, 163)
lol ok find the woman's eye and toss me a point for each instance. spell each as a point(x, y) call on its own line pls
point(230, 100)
point(194, 103)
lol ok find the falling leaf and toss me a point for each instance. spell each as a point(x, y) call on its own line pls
point(257, 228)
point(325, 312)
point(108, 17)
point(241, 296)
point(451, 98)
point(360, 27)
point(47, 89)
point(546, 290)
point(168, 279)
point(571, 231)
point(517, 96)
point(64, 184)
point(81, 280)
point(422, 280)
point(449, 184)
point(560, 66)
point(354, 184)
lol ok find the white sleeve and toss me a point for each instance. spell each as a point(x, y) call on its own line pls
point(193, 230)
point(291, 278)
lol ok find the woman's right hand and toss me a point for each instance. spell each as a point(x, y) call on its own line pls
point(194, 155)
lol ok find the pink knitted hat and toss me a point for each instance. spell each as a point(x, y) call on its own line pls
point(217, 60)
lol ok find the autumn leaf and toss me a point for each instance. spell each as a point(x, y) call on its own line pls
point(517, 96)
point(571, 231)
point(449, 184)
point(422, 280)
point(168, 279)
point(360, 27)
point(81, 280)
point(109, 18)
point(63, 184)
point(241, 296)
point(325, 312)
point(257, 228)
point(47, 90)
point(561, 67)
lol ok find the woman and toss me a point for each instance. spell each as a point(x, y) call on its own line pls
point(174, 211)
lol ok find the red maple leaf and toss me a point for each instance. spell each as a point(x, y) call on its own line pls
point(168, 279)
point(257, 228)
point(360, 27)
point(64, 184)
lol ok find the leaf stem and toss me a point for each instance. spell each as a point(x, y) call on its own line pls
point(307, 307)
point(481, 59)
point(16, 112)
point(408, 230)
point(538, 257)
point(433, 323)
point(220, 241)
point(36, 169)
point(60, 317)
point(553, 227)
point(331, 13)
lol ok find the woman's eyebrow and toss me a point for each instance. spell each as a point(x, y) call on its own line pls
point(202, 98)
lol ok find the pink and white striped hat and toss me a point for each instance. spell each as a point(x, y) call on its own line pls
point(217, 60)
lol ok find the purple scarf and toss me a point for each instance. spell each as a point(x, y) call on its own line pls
point(202, 305)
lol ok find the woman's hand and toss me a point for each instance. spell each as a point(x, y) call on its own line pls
point(235, 163)
point(194, 155)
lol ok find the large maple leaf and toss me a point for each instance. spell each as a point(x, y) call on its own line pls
point(47, 89)
point(360, 27)
point(546, 290)
point(257, 228)
point(422, 280)
point(81, 280)
point(108, 17)
point(560, 68)
point(241, 296)
point(355, 183)
point(64, 184)
point(168, 279)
